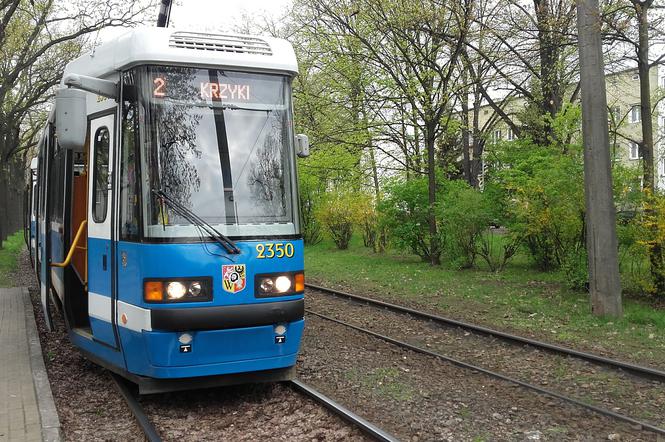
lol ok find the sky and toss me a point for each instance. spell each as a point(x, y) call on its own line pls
point(213, 15)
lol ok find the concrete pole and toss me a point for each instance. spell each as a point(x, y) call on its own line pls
point(602, 246)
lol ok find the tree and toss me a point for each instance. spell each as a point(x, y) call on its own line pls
point(37, 39)
point(415, 47)
point(633, 24)
point(529, 47)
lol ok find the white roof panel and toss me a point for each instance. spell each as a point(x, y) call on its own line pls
point(176, 47)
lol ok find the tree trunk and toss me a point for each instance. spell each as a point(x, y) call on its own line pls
point(466, 141)
point(4, 190)
point(431, 186)
point(602, 245)
point(646, 147)
point(645, 102)
point(549, 51)
point(478, 142)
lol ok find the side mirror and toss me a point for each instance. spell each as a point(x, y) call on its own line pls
point(71, 118)
point(302, 145)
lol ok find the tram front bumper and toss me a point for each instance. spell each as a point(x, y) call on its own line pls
point(227, 316)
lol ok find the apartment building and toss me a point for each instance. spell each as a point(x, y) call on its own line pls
point(624, 116)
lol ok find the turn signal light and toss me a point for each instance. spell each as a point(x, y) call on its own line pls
point(153, 291)
point(300, 282)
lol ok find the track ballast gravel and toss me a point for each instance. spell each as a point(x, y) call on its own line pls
point(418, 397)
point(90, 408)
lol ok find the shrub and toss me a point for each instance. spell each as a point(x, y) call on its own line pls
point(646, 242)
point(404, 215)
point(544, 198)
point(575, 268)
point(498, 248)
point(337, 213)
point(464, 215)
point(368, 221)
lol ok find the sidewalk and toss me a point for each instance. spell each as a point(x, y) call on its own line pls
point(27, 410)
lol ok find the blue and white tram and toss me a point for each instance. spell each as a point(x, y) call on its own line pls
point(30, 211)
point(168, 212)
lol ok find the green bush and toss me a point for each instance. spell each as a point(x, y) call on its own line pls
point(367, 218)
point(337, 212)
point(403, 213)
point(464, 215)
point(544, 199)
point(575, 269)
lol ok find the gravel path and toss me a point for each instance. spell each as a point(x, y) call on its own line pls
point(420, 398)
point(91, 409)
point(611, 389)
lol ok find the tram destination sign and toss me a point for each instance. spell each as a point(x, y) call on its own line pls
point(209, 90)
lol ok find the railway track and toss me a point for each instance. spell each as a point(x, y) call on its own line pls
point(137, 410)
point(346, 414)
point(349, 416)
point(635, 370)
point(639, 370)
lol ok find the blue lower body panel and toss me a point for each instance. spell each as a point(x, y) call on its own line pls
point(213, 352)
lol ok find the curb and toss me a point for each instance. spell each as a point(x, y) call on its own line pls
point(51, 429)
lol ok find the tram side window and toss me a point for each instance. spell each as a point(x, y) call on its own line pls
point(101, 175)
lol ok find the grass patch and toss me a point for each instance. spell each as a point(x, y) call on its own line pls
point(384, 382)
point(8, 255)
point(520, 298)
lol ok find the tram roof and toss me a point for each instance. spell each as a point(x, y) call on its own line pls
point(176, 47)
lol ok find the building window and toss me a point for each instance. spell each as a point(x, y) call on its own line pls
point(615, 113)
point(634, 151)
point(635, 114)
point(511, 134)
point(496, 136)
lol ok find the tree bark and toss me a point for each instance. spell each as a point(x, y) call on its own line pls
point(431, 186)
point(647, 145)
point(645, 100)
point(466, 140)
point(602, 245)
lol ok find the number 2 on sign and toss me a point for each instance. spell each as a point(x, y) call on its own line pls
point(275, 250)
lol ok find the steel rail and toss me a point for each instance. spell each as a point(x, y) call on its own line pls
point(137, 410)
point(345, 413)
point(495, 375)
point(640, 370)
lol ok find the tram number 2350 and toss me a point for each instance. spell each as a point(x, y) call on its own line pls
point(274, 250)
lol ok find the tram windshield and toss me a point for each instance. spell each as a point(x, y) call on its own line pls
point(220, 143)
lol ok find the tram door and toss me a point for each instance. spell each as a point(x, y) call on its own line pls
point(101, 302)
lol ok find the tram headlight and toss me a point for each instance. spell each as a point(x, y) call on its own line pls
point(279, 284)
point(267, 285)
point(194, 288)
point(282, 284)
point(178, 290)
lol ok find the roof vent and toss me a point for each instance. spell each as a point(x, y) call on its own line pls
point(220, 43)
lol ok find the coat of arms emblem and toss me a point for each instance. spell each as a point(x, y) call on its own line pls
point(234, 277)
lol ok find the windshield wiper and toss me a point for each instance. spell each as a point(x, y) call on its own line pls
point(193, 218)
point(231, 106)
